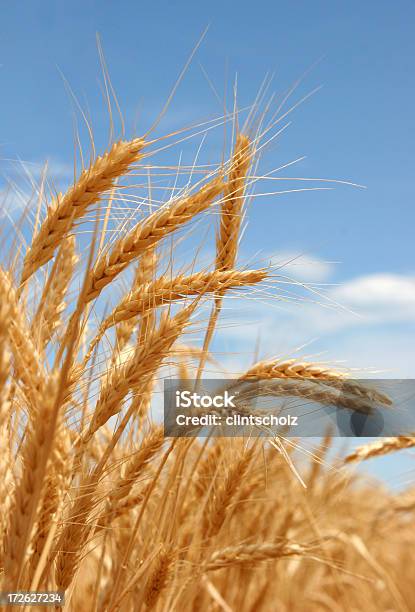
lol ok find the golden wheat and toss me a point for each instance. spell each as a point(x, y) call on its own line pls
point(87, 190)
point(163, 291)
point(381, 447)
point(95, 501)
point(148, 233)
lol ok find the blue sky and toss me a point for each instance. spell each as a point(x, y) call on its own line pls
point(358, 127)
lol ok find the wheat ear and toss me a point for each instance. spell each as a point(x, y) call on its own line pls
point(381, 447)
point(52, 304)
point(230, 224)
point(27, 360)
point(28, 489)
point(94, 181)
point(5, 319)
point(73, 538)
point(218, 508)
point(144, 274)
point(121, 489)
point(123, 507)
point(147, 325)
point(291, 368)
point(309, 390)
point(77, 530)
point(158, 579)
point(207, 470)
point(246, 554)
point(5, 452)
point(139, 369)
point(165, 291)
point(232, 205)
point(57, 481)
point(149, 232)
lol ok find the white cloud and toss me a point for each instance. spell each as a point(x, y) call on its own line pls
point(378, 291)
point(373, 298)
point(302, 266)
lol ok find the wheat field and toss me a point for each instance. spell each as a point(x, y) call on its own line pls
point(95, 501)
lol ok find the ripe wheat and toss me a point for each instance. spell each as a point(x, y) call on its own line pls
point(95, 500)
